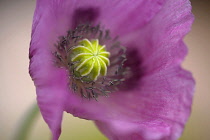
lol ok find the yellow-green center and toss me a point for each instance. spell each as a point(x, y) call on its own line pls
point(91, 59)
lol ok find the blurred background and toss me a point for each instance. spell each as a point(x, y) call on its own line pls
point(17, 92)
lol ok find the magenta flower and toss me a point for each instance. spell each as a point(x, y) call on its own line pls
point(141, 90)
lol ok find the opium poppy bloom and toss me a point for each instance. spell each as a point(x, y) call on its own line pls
point(116, 62)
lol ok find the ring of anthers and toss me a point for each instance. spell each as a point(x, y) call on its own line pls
point(94, 69)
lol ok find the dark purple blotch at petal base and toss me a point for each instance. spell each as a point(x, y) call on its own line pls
point(155, 102)
point(85, 16)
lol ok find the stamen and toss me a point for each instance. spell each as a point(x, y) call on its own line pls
point(94, 61)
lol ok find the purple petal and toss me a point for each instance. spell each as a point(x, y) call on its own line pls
point(50, 81)
point(157, 109)
point(120, 130)
point(160, 43)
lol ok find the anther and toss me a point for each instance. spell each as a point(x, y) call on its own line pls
point(85, 53)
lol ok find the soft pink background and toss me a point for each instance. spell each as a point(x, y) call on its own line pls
point(17, 92)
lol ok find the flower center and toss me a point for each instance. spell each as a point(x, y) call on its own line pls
point(93, 69)
point(90, 58)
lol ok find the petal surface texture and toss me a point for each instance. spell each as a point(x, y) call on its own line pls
point(157, 104)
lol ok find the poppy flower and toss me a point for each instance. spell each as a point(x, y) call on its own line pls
point(115, 62)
